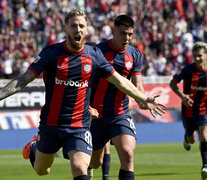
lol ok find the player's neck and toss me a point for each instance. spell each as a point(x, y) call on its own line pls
point(113, 42)
point(72, 48)
point(202, 68)
point(117, 45)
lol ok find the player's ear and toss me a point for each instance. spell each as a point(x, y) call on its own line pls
point(87, 30)
point(112, 30)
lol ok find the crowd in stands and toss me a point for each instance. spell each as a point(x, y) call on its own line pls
point(165, 30)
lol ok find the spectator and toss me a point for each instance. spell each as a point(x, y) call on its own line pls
point(159, 26)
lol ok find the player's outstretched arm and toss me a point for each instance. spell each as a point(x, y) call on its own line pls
point(128, 88)
point(17, 84)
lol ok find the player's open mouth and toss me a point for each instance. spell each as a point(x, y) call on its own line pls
point(124, 44)
point(77, 38)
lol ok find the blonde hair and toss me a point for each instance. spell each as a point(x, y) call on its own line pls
point(74, 12)
point(200, 45)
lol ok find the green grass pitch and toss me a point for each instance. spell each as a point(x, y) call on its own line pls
point(167, 161)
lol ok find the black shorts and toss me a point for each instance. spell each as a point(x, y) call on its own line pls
point(192, 124)
point(51, 141)
point(104, 129)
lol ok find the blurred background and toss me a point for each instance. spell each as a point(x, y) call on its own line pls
point(165, 31)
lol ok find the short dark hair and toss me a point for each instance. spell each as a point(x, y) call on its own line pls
point(124, 20)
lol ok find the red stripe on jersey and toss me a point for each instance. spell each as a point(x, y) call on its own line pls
point(99, 96)
point(102, 87)
point(128, 65)
point(118, 106)
point(203, 105)
point(78, 110)
point(195, 83)
point(58, 91)
point(110, 57)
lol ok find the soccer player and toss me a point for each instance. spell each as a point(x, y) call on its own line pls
point(107, 157)
point(114, 121)
point(68, 68)
point(194, 100)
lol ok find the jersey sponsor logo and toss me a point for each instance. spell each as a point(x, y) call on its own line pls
point(37, 59)
point(87, 68)
point(128, 65)
point(199, 88)
point(70, 82)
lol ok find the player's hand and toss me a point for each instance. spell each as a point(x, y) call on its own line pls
point(154, 106)
point(94, 113)
point(186, 99)
point(142, 105)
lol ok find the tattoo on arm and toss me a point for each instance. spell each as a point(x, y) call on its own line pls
point(17, 84)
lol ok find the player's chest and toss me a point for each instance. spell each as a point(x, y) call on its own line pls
point(122, 63)
point(73, 66)
point(199, 78)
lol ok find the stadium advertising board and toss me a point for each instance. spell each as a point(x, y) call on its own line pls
point(19, 119)
point(167, 97)
point(21, 111)
point(29, 99)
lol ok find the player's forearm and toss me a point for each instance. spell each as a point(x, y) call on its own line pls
point(127, 87)
point(175, 88)
point(16, 85)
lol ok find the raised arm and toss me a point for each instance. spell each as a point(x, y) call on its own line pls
point(128, 88)
point(17, 84)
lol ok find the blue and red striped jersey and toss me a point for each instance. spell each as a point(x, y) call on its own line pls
point(195, 83)
point(67, 76)
point(105, 97)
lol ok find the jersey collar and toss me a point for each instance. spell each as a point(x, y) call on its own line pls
point(111, 45)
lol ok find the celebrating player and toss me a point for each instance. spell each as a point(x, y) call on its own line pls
point(68, 68)
point(194, 101)
point(115, 122)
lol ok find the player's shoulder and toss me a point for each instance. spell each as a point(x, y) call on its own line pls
point(134, 53)
point(92, 50)
point(53, 47)
point(133, 49)
point(103, 45)
point(189, 67)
